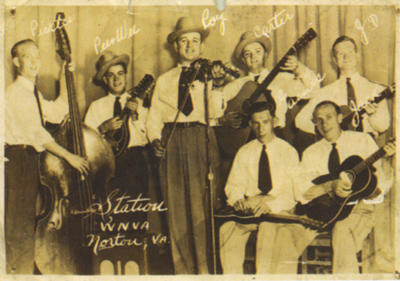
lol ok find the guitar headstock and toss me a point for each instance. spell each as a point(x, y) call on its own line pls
point(63, 47)
point(303, 40)
point(146, 84)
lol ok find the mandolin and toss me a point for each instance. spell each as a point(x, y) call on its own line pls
point(230, 139)
point(330, 208)
point(119, 139)
point(353, 117)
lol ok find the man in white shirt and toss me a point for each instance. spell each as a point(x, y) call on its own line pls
point(323, 158)
point(131, 172)
point(351, 89)
point(177, 129)
point(26, 114)
point(261, 181)
point(297, 81)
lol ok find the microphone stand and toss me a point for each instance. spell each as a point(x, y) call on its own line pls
point(210, 172)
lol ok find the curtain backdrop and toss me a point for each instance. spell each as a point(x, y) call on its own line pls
point(92, 26)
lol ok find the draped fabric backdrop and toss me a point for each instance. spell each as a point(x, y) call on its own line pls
point(150, 53)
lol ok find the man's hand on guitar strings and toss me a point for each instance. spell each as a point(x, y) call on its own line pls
point(232, 119)
point(261, 209)
point(342, 186)
point(132, 105)
point(111, 124)
point(241, 205)
point(371, 108)
point(390, 149)
point(293, 64)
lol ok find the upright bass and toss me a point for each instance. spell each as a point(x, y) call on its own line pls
point(63, 230)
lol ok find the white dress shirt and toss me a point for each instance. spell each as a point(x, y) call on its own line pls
point(103, 109)
point(337, 92)
point(284, 85)
point(164, 105)
point(315, 161)
point(283, 163)
point(23, 121)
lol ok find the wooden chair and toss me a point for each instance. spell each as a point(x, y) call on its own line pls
point(317, 257)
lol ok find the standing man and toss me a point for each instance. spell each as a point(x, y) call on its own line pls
point(178, 132)
point(322, 158)
point(296, 81)
point(26, 114)
point(131, 173)
point(350, 89)
point(261, 181)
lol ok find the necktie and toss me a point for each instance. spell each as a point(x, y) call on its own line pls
point(117, 112)
point(187, 108)
point(334, 160)
point(117, 106)
point(256, 78)
point(351, 99)
point(35, 91)
point(264, 173)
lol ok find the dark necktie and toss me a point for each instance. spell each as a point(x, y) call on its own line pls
point(117, 106)
point(264, 173)
point(35, 91)
point(334, 160)
point(256, 78)
point(186, 108)
point(351, 99)
point(117, 112)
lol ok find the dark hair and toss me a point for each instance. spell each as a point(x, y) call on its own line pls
point(341, 39)
point(15, 48)
point(261, 106)
point(327, 102)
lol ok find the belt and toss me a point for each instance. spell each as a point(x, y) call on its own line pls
point(185, 125)
point(27, 148)
point(139, 148)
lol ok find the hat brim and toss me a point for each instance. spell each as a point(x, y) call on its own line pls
point(175, 34)
point(120, 59)
point(262, 40)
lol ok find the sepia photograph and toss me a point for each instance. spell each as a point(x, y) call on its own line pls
point(217, 139)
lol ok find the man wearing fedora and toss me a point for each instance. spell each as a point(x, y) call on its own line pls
point(177, 130)
point(131, 173)
point(252, 53)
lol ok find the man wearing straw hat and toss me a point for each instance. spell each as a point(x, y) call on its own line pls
point(252, 53)
point(131, 173)
point(178, 132)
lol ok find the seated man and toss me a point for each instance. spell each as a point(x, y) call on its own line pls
point(260, 182)
point(324, 158)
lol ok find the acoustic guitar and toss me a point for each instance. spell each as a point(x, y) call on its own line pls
point(330, 208)
point(119, 139)
point(230, 139)
point(352, 117)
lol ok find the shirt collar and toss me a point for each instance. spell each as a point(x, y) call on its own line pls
point(353, 77)
point(339, 141)
point(25, 82)
point(268, 144)
point(262, 75)
point(124, 96)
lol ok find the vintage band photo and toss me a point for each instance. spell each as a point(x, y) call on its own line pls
point(217, 138)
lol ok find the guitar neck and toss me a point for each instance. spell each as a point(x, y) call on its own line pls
point(296, 218)
point(369, 161)
point(383, 95)
point(300, 43)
